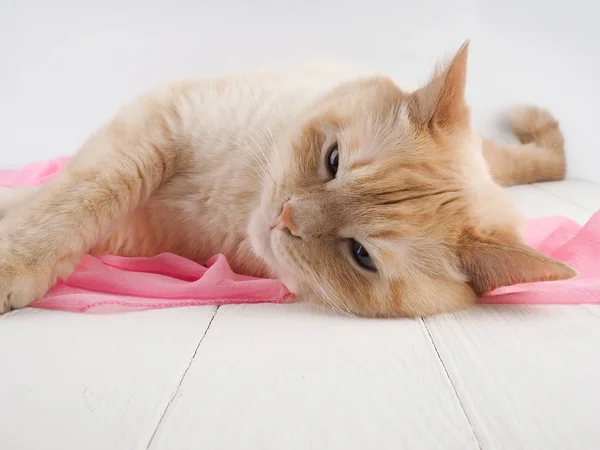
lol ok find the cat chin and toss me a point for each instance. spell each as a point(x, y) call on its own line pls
point(281, 272)
point(259, 233)
point(290, 282)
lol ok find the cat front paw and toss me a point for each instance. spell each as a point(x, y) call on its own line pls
point(26, 272)
point(21, 281)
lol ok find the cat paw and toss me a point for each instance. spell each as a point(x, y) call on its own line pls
point(22, 281)
point(19, 286)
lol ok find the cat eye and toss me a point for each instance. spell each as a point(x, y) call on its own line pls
point(333, 157)
point(361, 256)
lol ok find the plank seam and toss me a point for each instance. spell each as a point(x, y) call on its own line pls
point(587, 308)
point(562, 198)
point(178, 388)
point(462, 407)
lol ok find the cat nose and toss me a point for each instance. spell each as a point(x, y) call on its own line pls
point(285, 220)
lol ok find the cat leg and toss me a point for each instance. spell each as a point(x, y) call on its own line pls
point(541, 155)
point(117, 169)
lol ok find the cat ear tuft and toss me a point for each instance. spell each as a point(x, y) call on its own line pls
point(490, 265)
point(442, 100)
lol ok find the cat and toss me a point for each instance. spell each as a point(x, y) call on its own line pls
point(373, 199)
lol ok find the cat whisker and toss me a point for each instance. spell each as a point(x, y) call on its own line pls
point(273, 146)
point(259, 164)
point(339, 300)
point(339, 304)
point(265, 143)
point(326, 298)
point(252, 169)
point(262, 164)
point(260, 149)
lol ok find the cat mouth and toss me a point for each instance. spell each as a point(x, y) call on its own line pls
point(282, 231)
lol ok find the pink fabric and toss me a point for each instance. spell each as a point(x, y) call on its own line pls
point(112, 283)
point(567, 241)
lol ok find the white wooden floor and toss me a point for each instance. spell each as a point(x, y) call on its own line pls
point(293, 377)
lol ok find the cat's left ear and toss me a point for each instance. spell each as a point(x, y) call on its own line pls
point(442, 100)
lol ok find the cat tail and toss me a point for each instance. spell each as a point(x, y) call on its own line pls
point(540, 156)
point(532, 124)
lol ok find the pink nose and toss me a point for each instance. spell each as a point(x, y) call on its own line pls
point(285, 220)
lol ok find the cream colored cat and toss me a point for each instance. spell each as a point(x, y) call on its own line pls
point(356, 193)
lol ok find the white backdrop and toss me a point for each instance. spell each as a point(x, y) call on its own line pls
point(67, 65)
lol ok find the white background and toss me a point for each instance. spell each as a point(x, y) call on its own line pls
point(67, 65)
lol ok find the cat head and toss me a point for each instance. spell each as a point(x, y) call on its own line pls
point(381, 204)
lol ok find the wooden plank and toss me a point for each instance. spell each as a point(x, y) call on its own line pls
point(593, 309)
point(579, 192)
point(534, 202)
point(527, 376)
point(273, 377)
point(85, 381)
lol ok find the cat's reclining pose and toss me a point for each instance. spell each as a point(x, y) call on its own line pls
point(356, 193)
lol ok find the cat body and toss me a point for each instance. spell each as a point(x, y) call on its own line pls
point(374, 199)
point(227, 127)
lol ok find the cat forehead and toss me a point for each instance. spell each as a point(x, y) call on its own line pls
point(381, 144)
point(369, 136)
point(397, 169)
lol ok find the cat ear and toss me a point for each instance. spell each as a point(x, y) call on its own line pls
point(490, 265)
point(442, 99)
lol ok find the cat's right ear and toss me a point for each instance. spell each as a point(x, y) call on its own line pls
point(490, 264)
point(441, 102)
